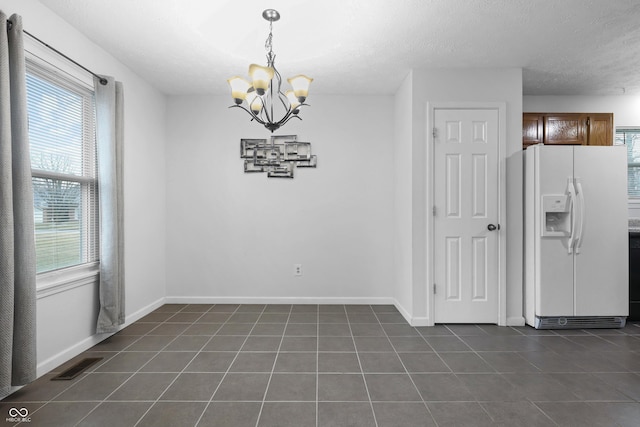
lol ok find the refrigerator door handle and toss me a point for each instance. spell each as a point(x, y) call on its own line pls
point(572, 195)
point(580, 194)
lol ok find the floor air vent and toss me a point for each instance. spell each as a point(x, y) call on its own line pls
point(76, 369)
point(580, 322)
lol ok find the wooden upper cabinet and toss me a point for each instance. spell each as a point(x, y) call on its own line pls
point(567, 129)
point(532, 125)
point(600, 129)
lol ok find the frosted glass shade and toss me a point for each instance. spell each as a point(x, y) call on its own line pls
point(293, 99)
point(261, 77)
point(239, 88)
point(300, 85)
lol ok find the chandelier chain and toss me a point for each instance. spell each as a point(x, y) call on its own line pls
point(268, 44)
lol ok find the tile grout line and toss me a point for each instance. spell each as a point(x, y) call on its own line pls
point(317, 364)
point(132, 374)
point(86, 375)
point(501, 374)
point(273, 367)
point(552, 351)
point(204, 410)
point(364, 379)
point(462, 383)
point(424, 403)
point(186, 365)
point(101, 402)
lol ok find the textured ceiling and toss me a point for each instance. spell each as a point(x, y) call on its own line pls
point(565, 47)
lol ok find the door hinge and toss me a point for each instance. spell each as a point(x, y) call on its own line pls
point(434, 288)
point(433, 211)
point(434, 132)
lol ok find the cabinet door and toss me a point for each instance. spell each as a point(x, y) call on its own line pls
point(565, 129)
point(532, 125)
point(600, 129)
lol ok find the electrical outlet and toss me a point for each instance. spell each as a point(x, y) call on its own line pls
point(297, 269)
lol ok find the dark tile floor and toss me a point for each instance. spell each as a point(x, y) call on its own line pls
point(337, 365)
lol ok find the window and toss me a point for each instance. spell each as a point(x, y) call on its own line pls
point(631, 138)
point(63, 164)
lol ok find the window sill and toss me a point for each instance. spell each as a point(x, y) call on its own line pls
point(54, 282)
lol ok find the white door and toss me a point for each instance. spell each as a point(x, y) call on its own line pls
point(466, 188)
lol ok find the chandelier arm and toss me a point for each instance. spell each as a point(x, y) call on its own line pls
point(281, 95)
point(276, 74)
point(289, 118)
point(253, 116)
point(273, 116)
point(278, 77)
point(286, 117)
point(262, 122)
point(290, 112)
point(264, 110)
point(285, 101)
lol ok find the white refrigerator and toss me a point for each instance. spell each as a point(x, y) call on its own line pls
point(576, 237)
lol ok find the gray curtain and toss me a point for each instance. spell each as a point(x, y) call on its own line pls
point(17, 244)
point(109, 139)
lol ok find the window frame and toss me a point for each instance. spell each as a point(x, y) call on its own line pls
point(86, 272)
point(633, 165)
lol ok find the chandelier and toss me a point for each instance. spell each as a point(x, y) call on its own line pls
point(263, 98)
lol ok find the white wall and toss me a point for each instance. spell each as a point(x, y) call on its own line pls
point(66, 320)
point(403, 171)
point(468, 85)
point(625, 109)
point(235, 237)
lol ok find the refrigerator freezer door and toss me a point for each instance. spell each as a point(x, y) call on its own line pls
point(554, 264)
point(601, 262)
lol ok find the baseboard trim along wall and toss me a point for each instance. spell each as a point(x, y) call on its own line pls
point(280, 300)
point(515, 321)
point(71, 352)
point(413, 321)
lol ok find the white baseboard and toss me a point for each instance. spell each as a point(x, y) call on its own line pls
point(413, 321)
point(74, 350)
point(420, 321)
point(403, 311)
point(134, 317)
point(280, 300)
point(69, 353)
point(515, 321)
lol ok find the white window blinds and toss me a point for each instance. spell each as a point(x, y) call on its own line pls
point(63, 164)
point(631, 138)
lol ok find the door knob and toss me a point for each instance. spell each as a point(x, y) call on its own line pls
point(492, 227)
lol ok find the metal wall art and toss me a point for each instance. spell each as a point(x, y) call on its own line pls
point(278, 157)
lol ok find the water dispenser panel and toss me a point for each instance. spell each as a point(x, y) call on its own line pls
point(556, 215)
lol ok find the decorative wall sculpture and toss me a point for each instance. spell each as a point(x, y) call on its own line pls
point(279, 156)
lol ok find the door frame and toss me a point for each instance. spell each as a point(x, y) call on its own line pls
point(501, 108)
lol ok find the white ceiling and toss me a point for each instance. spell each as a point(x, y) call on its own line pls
point(565, 47)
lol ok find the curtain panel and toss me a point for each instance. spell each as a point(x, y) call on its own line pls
point(17, 243)
point(109, 140)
